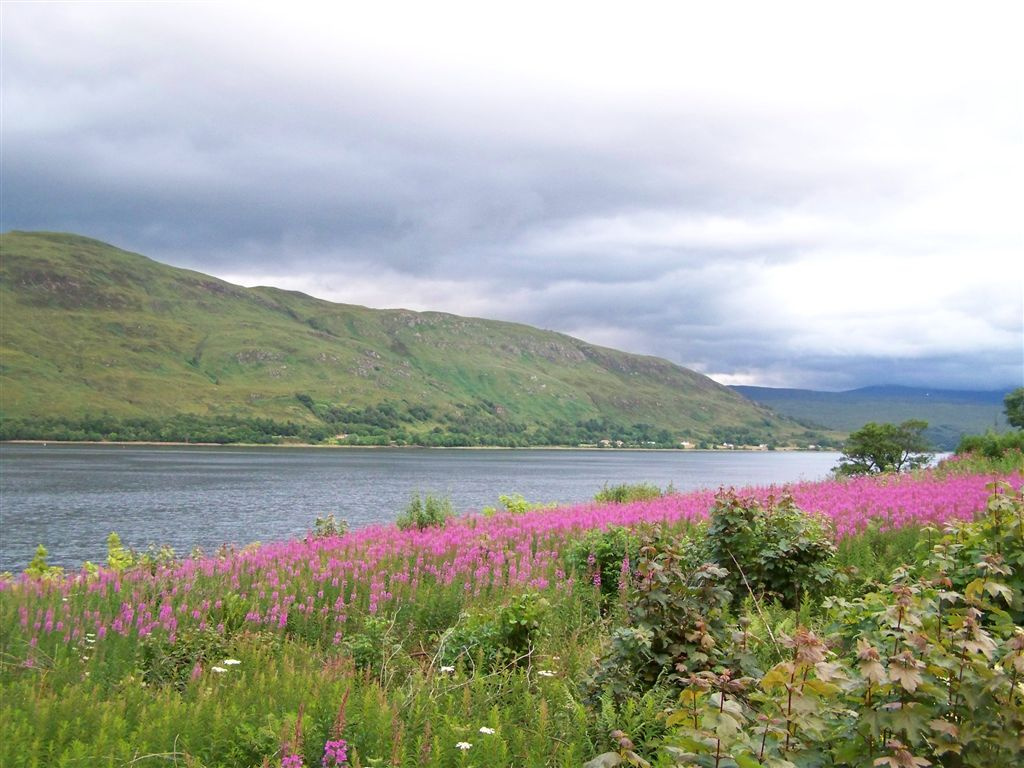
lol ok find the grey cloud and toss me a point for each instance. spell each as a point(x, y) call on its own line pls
point(651, 220)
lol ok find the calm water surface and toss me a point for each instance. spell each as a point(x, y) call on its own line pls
point(70, 497)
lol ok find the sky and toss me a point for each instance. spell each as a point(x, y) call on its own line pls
point(786, 194)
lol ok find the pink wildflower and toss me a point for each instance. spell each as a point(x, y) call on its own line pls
point(335, 754)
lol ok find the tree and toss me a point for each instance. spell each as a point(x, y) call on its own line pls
point(1013, 404)
point(877, 448)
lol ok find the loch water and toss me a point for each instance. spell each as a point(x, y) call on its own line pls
point(70, 497)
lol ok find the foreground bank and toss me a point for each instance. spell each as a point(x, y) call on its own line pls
point(473, 643)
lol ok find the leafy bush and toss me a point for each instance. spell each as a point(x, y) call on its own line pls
point(922, 673)
point(776, 550)
point(625, 493)
point(992, 445)
point(977, 556)
point(422, 513)
point(326, 527)
point(493, 639)
point(677, 621)
point(634, 725)
point(377, 650)
point(119, 557)
point(678, 610)
point(155, 557)
point(39, 568)
point(517, 504)
point(989, 453)
point(605, 558)
point(164, 662)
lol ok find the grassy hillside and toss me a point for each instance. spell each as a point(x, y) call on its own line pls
point(88, 331)
point(950, 413)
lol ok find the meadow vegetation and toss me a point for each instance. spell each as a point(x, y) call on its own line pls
point(873, 620)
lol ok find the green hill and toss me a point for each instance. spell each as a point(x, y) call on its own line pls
point(99, 342)
point(950, 414)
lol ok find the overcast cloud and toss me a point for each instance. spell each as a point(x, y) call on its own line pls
point(822, 195)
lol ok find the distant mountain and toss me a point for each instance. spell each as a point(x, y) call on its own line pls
point(950, 413)
point(99, 342)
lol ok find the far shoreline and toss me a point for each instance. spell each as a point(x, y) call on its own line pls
point(179, 444)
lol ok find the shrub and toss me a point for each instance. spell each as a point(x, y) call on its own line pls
point(39, 568)
point(676, 622)
point(922, 673)
point(625, 493)
point(775, 550)
point(989, 453)
point(494, 639)
point(992, 445)
point(975, 557)
point(119, 557)
point(517, 504)
point(376, 649)
point(606, 558)
point(155, 557)
point(175, 663)
point(678, 611)
point(422, 513)
point(326, 527)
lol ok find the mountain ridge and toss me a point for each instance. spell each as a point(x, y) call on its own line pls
point(90, 330)
point(950, 413)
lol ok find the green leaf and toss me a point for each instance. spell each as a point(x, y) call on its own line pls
point(974, 588)
point(727, 727)
point(996, 589)
point(821, 688)
point(776, 677)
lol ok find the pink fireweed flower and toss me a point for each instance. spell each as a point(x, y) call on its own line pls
point(624, 575)
point(335, 754)
point(377, 568)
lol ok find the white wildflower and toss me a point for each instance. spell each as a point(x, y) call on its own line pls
point(485, 729)
point(463, 745)
point(218, 669)
point(447, 670)
point(545, 673)
point(230, 662)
